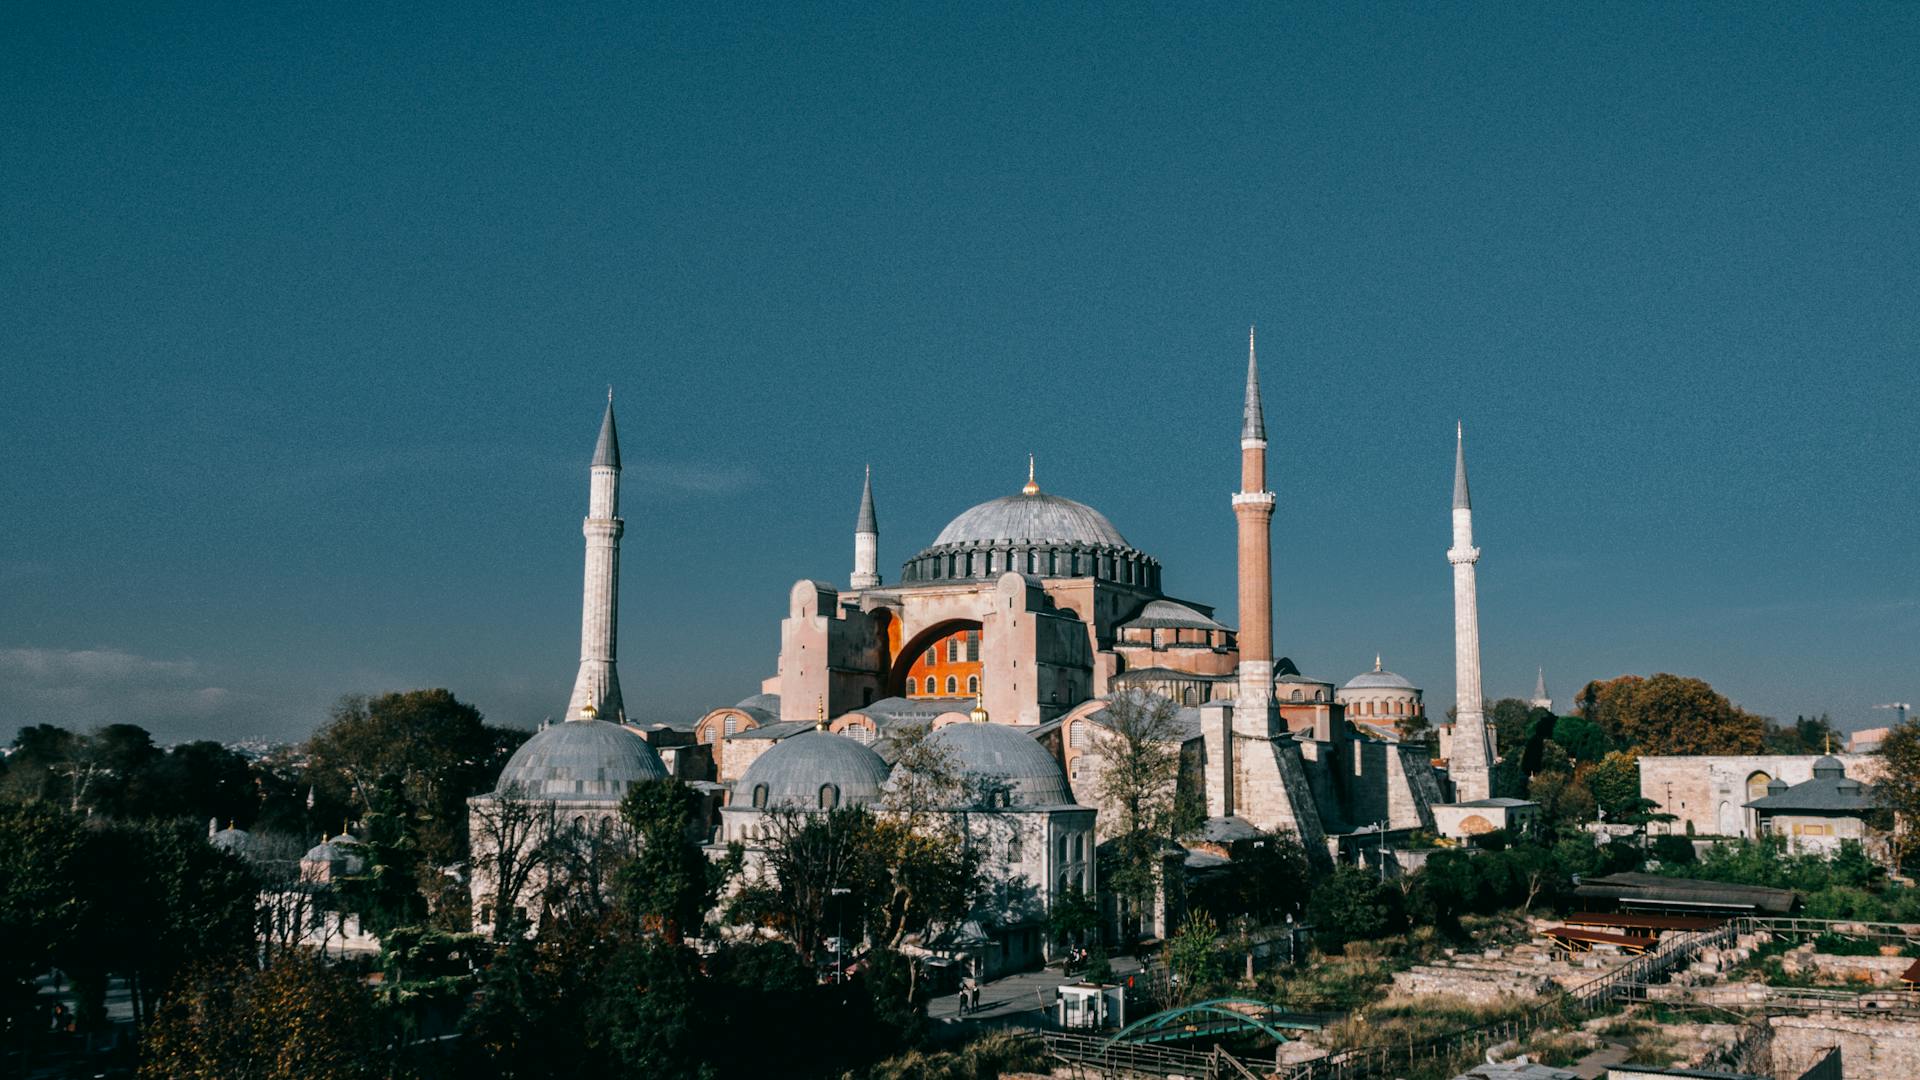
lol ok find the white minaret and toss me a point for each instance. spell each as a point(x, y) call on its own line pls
point(866, 541)
point(1541, 699)
point(596, 692)
point(1471, 758)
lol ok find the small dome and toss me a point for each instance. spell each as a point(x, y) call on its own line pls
point(1031, 517)
point(1378, 680)
point(230, 839)
point(1828, 768)
point(1776, 786)
point(343, 850)
point(580, 759)
point(1005, 754)
point(794, 770)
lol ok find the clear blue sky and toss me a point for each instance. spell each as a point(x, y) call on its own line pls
point(307, 311)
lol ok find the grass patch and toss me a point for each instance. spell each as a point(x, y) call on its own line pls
point(982, 1059)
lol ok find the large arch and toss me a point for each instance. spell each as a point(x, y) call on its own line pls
point(910, 651)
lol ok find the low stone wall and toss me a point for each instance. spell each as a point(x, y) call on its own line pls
point(1487, 977)
point(1869, 1047)
point(1860, 970)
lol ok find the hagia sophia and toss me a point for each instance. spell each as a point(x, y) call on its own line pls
point(1011, 634)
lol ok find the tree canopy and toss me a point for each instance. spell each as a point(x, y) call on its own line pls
point(1670, 714)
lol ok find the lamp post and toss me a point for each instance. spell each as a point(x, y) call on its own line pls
point(840, 939)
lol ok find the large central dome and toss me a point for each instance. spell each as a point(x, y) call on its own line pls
point(1036, 534)
point(1041, 517)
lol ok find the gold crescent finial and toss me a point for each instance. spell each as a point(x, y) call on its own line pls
point(820, 714)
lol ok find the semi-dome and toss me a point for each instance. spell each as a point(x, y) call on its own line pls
point(799, 771)
point(580, 759)
point(1031, 517)
point(1006, 757)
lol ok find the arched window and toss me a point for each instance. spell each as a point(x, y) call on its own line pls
point(1191, 696)
point(933, 655)
point(829, 797)
point(759, 796)
point(973, 684)
point(953, 685)
point(1077, 735)
point(706, 733)
point(1297, 695)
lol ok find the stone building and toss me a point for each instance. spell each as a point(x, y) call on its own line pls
point(1039, 604)
point(1708, 793)
point(1380, 697)
point(1817, 815)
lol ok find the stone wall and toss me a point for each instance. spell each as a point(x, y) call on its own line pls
point(1869, 1046)
point(1707, 793)
point(1865, 970)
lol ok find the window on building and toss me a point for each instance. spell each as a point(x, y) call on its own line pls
point(759, 796)
point(1079, 851)
point(973, 646)
point(1013, 846)
point(829, 796)
point(706, 733)
point(953, 650)
point(953, 685)
point(733, 724)
point(973, 684)
point(1192, 696)
point(1297, 695)
point(1060, 847)
point(1077, 734)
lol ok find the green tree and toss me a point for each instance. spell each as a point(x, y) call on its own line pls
point(1899, 789)
point(299, 1018)
point(1582, 738)
point(1615, 783)
point(1353, 905)
point(1671, 714)
point(1193, 954)
point(40, 909)
point(1074, 917)
point(1137, 776)
point(423, 753)
point(669, 882)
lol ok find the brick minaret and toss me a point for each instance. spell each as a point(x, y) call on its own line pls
point(1471, 760)
point(866, 541)
point(1253, 506)
point(596, 692)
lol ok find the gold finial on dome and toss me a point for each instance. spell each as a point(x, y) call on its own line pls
point(979, 713)
point(1031, 488)
point(819, 714)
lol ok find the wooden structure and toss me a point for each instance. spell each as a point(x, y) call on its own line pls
point(1573, 939)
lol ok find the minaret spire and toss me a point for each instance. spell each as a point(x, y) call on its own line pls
point(866, 540)
point(1470, 761)
point(1541, 699)
point(1253, 421)
point(596, 690)
point(1253, 507)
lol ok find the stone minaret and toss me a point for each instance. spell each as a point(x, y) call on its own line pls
point(1253, 506)
point(1541, 699)
point(596, 692)
point(1471, 760)
point(866, 541)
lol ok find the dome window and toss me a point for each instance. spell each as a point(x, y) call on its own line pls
point(829, 797)
point(759, 796)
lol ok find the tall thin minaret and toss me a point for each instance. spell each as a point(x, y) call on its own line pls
point(596, 692)
point(866, 540)
point(1541, 699)
point(1470, 763)
point(1253, 506)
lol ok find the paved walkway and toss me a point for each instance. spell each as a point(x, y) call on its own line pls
point(1021, 1000)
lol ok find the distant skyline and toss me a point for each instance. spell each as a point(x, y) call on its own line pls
point(310, 316)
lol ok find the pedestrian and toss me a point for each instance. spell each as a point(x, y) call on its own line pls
point(963, 1000)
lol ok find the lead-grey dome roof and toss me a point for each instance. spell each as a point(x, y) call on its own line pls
point(580, 759)
point(795, 768)
point(1378, 679)
point(1000, 754)
point(1031, 517)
